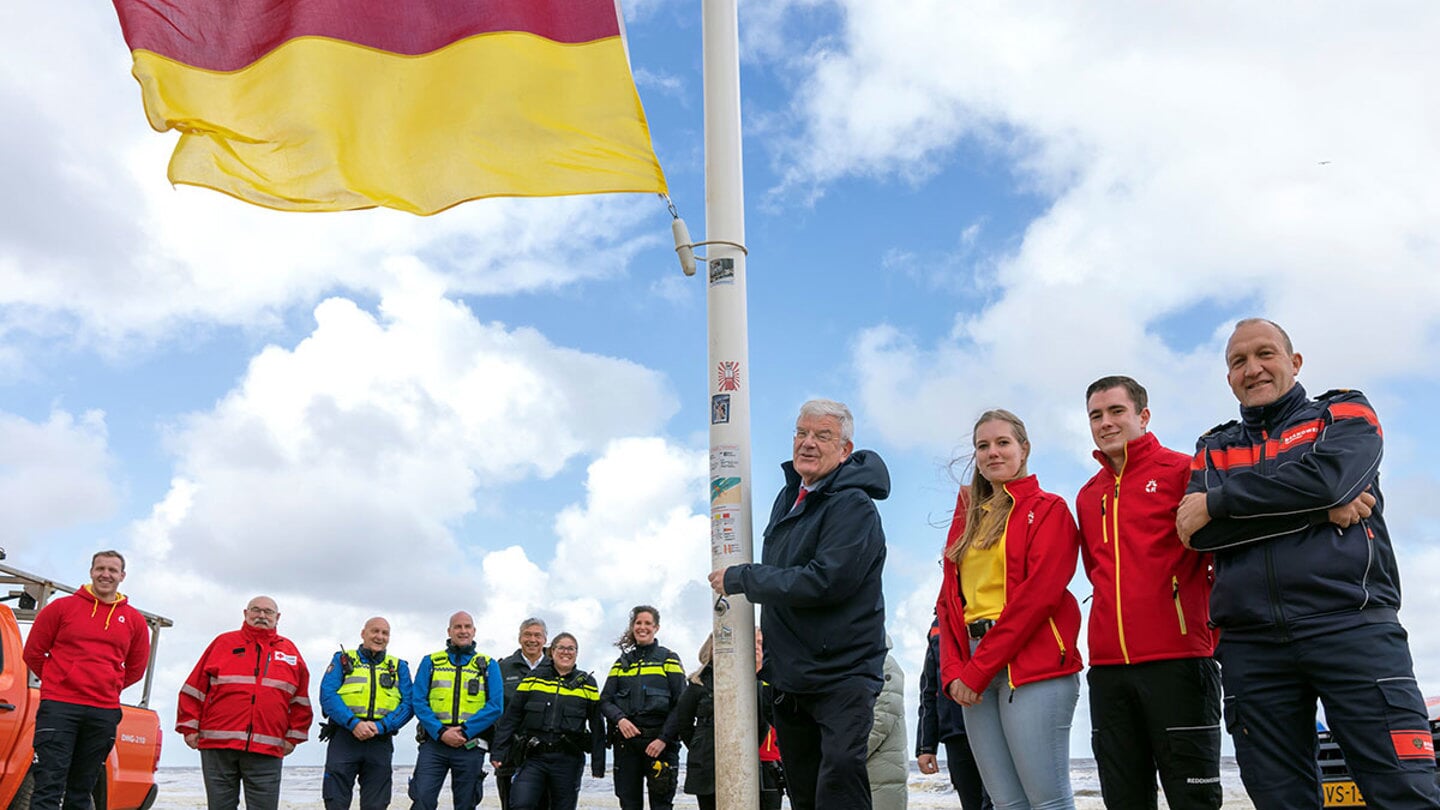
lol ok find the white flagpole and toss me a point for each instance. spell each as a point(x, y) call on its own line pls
point(736, 745)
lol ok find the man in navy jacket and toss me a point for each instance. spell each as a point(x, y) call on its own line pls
point(824, 613)
point(1306, 587)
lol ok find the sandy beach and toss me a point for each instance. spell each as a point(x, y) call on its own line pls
point(182, 789)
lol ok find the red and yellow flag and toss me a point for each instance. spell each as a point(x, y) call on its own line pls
point(330, 105)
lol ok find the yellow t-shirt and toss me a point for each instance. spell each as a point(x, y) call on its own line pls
point(982, 581)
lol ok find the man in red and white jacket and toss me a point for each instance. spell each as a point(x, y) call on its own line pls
point(84, 648)
point(245, 706)
point(1154, 687)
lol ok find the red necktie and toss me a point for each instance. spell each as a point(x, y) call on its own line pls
point(800, 499)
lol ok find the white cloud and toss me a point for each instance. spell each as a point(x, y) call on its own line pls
point(53, 475)
point(376, 434)
point(1198, 163)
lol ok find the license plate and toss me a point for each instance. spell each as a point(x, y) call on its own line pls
point(1342, 794)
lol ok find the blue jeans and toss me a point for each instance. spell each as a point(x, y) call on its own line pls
point(1021, 742)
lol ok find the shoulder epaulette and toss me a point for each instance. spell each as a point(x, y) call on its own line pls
point(1220, 427)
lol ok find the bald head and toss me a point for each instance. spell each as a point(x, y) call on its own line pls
point(462, 629)
point(375, 637)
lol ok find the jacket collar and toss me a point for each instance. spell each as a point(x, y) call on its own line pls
point(258, 635)
point(1021, 487)
point(1268, 417)
point(1136, 450)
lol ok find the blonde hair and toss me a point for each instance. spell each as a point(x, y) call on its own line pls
point(988, 504)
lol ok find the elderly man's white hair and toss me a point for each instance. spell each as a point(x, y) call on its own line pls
point(829, 407)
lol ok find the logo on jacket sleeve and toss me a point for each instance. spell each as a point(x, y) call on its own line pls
point(1031, 516)
point(1416, 744)
point(1151, 486)
point(289, 659)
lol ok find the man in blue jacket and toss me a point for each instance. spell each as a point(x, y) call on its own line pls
point(366, 696)
point(458, 696)
point(1306, 587)
point(819, 583)
point(942, 723)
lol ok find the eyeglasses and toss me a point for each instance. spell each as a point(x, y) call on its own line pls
point(259, 611)
point(820, 436)
point(571, 650)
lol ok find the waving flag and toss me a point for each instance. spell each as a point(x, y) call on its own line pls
point(330, 105)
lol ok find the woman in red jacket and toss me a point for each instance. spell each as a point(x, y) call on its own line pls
point(1008, 626)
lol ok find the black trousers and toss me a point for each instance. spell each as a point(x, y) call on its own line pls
point(634, 773)
point(823, 738)
point(1157, 716)
point(71, 743)
point(1364, 678)
point(346, 759)
point(547, 780)
point(965, 775)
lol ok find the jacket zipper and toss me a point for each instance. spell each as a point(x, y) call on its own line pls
point(373, 686)
point(1115, 533)
point(1005, 574)
point(1369, 561)
point(1272, 583)
point(1179, 609)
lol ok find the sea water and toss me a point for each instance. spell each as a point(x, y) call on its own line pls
point(183, 789)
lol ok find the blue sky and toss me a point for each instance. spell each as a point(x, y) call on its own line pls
point(950, 206)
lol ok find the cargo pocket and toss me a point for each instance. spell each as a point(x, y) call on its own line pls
point(1195, 755)
point(1408, 724)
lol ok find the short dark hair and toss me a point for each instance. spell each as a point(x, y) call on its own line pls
point(108, 553)
point(1285, 336)
point(1137, 393)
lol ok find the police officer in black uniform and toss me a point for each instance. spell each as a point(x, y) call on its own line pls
point(549, 724)
point(643, 687)
point(524, 662)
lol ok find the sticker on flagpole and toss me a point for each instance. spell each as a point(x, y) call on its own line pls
point(724, 460)
point(724, 539)
point(722, 271)
point(725, 491)
point(720, 409)
point(728, 375)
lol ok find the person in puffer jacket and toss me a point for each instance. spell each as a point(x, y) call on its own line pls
point(1306, 589)
point(887, 762)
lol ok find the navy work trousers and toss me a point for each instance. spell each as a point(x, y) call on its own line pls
point(1157, 716)
point(550, 780)
point(349, 758)
point(823, 738)
point(1365, 679)
point(466, 767)
point(71, 743)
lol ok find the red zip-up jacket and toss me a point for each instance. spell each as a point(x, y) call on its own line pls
point(250, 691)
point(1152, 595)
point(1036, 636)
point(85, 651)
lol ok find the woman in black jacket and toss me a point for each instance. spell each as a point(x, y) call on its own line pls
point(547, 728)
point(693, 723)
point(640, 694)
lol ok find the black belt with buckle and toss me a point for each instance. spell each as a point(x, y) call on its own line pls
point(978, 629)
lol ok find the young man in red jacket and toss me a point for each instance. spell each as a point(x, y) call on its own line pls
point(245, 706)
point(85, 649)
point(1154, 688)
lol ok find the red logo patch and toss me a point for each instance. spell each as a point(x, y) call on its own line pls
point(1413, 744)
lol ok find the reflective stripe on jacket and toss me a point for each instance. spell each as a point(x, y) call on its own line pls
point(248, 692)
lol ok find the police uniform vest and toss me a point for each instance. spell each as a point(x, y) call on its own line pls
point(557, 706)
point(644, 691)
point(370, 690)
point(457, 693)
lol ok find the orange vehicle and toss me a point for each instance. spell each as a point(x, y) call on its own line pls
point(129, 782)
